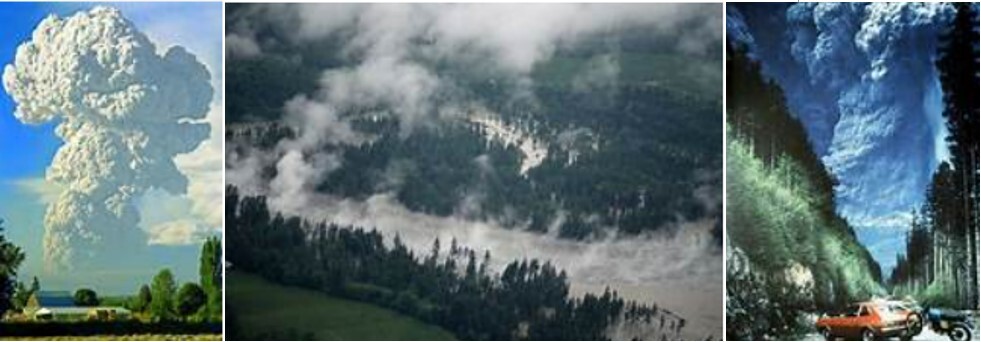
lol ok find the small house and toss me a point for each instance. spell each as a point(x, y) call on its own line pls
point(95, 313)
point(60, 306)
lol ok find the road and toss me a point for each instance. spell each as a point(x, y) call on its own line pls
point(926, 335)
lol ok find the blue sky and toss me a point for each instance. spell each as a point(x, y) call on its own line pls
point(25, 150)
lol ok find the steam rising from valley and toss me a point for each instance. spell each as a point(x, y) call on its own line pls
point(392, 52)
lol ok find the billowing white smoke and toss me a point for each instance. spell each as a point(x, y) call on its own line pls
point(123, 112)
point(875, 61)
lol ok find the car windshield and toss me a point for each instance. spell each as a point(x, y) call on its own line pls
point(888, 308)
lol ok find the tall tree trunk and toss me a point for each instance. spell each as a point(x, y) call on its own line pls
point(972, 227)
point(969, 278)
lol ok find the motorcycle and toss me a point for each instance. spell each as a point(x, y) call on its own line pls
point(952, 323)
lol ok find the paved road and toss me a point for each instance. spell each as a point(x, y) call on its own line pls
point(926, 335)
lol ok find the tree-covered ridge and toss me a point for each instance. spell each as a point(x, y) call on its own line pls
point(453, 289)
point(940, 264)
point(790, 253)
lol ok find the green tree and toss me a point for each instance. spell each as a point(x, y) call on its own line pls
point(11, 257)
point(190, 299)
point(142, 300)
point(21, 295)
point(210, 273)
point(162, 293)
point(86, 297)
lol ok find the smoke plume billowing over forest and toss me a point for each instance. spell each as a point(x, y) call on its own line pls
point(559, 136)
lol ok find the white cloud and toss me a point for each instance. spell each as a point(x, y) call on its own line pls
point(180, 232)
point(204, 168)
point(175, 219)
point(46, 192)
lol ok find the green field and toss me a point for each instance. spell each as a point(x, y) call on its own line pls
point(261, 307)
point(137, 337)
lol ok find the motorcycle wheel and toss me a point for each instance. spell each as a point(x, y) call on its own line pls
point(959, 333)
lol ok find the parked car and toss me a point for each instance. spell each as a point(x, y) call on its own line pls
point(868, 321)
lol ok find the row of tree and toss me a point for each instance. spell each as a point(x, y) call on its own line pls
point(198, 301)
point(940, 264)
point(161, 301)
point(453, 289)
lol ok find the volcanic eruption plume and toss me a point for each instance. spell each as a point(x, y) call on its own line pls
point(123, 112)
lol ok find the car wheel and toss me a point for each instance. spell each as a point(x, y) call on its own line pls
point(959, 333)
point(914, 324)
point(868, 335)
point(826, 332)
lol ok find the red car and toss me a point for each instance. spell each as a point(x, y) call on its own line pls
point(868, 321)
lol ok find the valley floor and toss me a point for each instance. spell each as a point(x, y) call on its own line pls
point(263, 308)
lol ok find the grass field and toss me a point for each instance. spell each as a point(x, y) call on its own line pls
point(138, 337)
point(263, 307)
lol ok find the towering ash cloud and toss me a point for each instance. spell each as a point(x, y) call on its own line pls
point(123, 112)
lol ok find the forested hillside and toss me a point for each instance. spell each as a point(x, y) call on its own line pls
point(790, 253)
point(528, 300)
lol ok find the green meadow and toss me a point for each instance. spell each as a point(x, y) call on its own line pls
point(263, 309)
